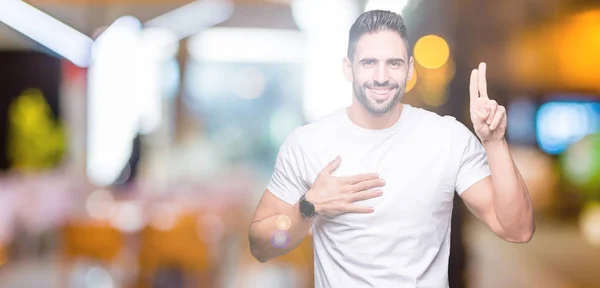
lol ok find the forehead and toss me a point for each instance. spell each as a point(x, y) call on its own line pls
point(384, 44)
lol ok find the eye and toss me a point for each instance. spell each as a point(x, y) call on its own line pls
point(368, 63)
point(395, 64)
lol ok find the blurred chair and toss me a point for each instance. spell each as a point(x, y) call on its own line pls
point(91, 240)
point(182, 248)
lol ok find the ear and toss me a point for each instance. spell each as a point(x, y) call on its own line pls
point(411, 67)
point(347, 68)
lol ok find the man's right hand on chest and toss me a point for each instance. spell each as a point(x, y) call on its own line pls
point(332, 195)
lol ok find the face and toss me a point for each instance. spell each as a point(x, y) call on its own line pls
point(379, 70)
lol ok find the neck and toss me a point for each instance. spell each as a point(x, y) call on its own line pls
point(361, 117)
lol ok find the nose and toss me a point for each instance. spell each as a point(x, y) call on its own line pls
point(381, 74)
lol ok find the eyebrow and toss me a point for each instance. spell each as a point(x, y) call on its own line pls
point(396, 60)
point(388, 60)
point(367, 59)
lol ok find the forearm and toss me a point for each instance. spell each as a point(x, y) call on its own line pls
point(262, 231)
point(512, 202)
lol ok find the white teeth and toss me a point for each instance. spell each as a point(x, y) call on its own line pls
point(381, 91)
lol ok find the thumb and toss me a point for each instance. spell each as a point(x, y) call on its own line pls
point(333, 165)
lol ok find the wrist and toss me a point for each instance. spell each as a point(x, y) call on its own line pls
point(310, 197)
point(493, 144)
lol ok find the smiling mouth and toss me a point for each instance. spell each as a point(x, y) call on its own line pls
point(381, 93)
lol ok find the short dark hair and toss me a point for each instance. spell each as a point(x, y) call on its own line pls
point(375, 21)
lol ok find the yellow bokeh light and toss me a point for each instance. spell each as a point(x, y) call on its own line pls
point(410, 84)
point(578, 47)
point(431, 51)
point(433, 83)
point(433, 95)
point(283, 222)
point(589, 223)
point(562, 55)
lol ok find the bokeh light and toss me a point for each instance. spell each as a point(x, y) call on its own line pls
point(283, 222)
point(280, 239)
point(251, 83)
point(98, 277)
point(560, 124)
point(579, 49)
point(164, 216)
point(433, 83)
point(589, 223)
point(410, 84)
point(325, 26)
point(128, 217)
point(562, 55)
point(433, 95)
point(581, 165)
point(431, 51)
point(100, 205)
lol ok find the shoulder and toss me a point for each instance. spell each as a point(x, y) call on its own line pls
point(435, 122)
point(444, 127)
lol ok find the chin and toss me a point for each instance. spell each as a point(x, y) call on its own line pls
point(381, 107)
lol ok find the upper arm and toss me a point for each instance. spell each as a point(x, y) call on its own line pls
point(288, 179)
point(270, 205)
point(479, 199)
point(287, 182)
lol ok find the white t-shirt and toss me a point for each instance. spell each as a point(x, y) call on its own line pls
point(424, 159)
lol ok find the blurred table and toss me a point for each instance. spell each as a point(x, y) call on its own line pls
point(557, 256)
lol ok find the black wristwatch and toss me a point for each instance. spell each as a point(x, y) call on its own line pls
point(307, 209)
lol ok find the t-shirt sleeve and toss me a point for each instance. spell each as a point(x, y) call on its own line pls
point(473, 160)
point(287, 182)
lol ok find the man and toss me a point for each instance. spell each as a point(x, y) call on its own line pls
point(375, 181)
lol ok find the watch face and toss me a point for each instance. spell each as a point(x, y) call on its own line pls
point(307, 209)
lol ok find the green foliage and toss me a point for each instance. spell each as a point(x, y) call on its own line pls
point(36, 141)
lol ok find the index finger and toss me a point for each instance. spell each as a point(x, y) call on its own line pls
point(359, 178)
point(332, 166)
point(354, 208)
point(473, 86)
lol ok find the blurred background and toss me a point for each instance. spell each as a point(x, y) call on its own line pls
point(136, 137)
